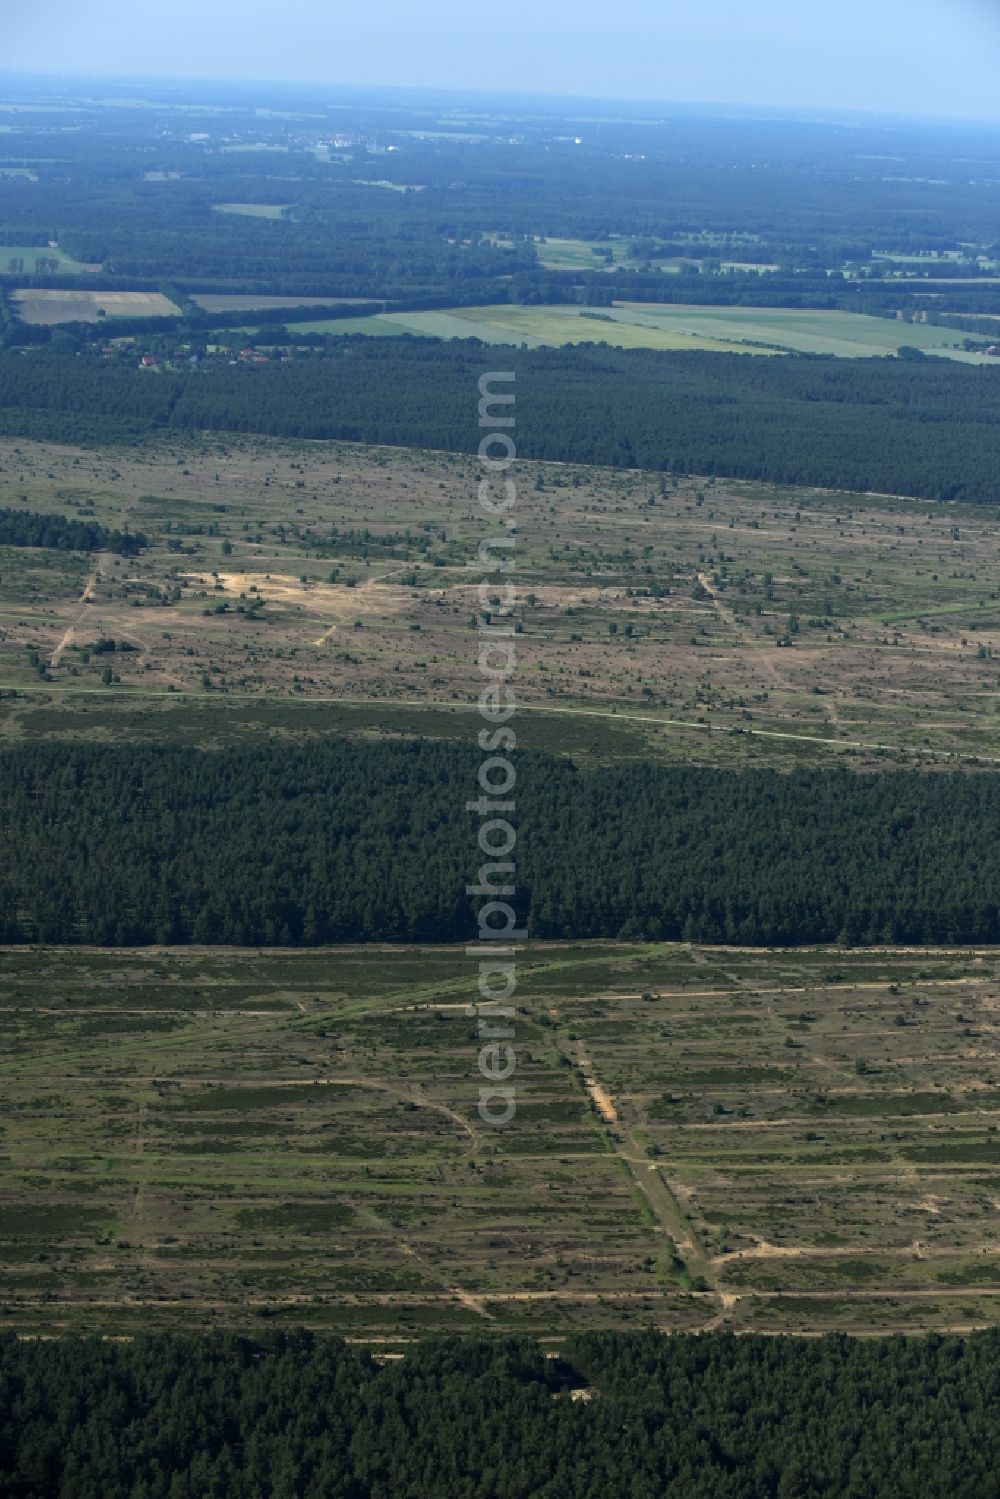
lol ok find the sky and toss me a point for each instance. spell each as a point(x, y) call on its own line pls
point(924, 57)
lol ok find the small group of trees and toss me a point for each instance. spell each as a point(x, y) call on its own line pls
point(32, 528)
point(41, 265)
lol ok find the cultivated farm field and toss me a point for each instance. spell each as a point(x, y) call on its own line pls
point(533, 327)
point(654, 325)
point(50, 307)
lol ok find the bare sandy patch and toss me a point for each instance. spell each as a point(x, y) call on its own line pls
point(602, 1098)
point(332, 599)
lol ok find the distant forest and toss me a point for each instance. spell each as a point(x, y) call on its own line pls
point(136, 189)
point(926, 428)
point(292, 1416)
point(346, 841)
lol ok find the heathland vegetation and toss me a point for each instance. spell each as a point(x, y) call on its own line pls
point(783, 1140)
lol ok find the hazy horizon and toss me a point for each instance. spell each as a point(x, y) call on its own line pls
point(897, 57)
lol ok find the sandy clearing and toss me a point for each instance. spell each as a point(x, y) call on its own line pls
point(330, 601)
point(601, 1097)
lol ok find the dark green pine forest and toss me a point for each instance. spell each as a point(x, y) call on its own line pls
point(345, 841)
point(297, 1417)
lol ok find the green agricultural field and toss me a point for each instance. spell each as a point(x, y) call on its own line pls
point(530, 326)
point(631, 325)
point(377, 325)
point(21, 260)
point(702, 1137)
point(848, 335)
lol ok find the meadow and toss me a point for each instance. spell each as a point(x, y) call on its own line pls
point(703, 1138)
point(25, 258)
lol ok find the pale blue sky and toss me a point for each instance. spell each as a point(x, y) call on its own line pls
point(912, 56)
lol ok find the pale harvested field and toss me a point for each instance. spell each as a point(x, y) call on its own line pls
point(51, 307)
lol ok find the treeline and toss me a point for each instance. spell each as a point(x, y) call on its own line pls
point(29, 528)
point(926, 428)
point(199, 326)
point(907, 300)
point(869, 293)
point(292, 1416)
point(344, 841)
